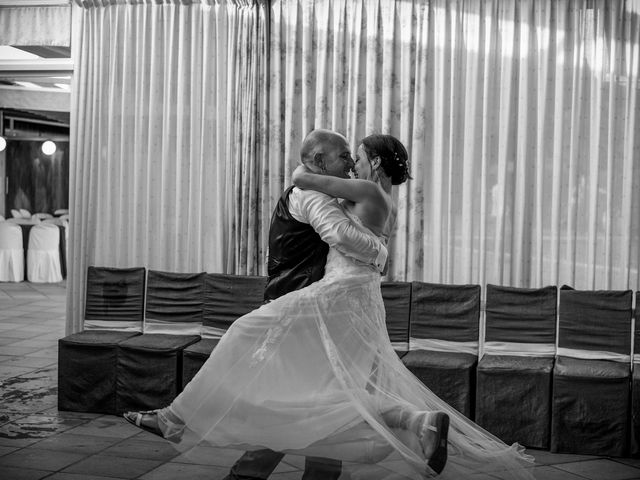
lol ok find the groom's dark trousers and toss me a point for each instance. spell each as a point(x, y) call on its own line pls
point(297, 256)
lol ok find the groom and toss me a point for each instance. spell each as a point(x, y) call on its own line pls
point(304, 224)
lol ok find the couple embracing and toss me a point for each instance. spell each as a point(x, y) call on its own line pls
point(312, 372)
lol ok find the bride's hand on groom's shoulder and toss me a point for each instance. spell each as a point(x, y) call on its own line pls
point(297, 177)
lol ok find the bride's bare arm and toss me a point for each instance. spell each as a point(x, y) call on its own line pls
point(355, 190)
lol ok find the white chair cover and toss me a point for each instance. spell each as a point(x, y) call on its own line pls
point(61, 211)
point(11, 253)
point(43, 254)
point(15, 213)
point(41, 216)
point(25, 213)
point(1, 218)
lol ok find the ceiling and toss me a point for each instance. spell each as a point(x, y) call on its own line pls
point(36, 80)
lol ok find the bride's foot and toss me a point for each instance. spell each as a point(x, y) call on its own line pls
point(432, 431)
point(145, 420)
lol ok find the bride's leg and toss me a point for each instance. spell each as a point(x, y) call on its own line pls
point(162, 422)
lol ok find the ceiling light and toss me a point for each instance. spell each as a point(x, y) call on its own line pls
point(48, 147)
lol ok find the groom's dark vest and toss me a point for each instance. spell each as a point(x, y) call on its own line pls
point(297, 254)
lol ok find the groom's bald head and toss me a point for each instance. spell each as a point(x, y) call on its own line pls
point(326, 151)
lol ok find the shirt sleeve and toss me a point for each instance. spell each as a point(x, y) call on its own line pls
point(326, 217)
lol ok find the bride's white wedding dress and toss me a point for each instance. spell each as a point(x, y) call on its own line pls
point(312, 373)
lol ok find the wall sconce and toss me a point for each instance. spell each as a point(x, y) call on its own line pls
point(48, 147)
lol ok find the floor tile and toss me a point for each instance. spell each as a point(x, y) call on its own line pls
point(78, 476)
point(203, 455)
point(544, 457)
point(31, 392)
point(6, 450)
point(38, 426)
point(107, 426)
point(600, 469)
point(547, 472)
point(85, 444)
point(23, 361)
point(22, 473)
point(173, 471)
point(134, 448)
point(110, 466)
point(43, 459)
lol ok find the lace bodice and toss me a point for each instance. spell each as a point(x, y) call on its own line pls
point(341, 265)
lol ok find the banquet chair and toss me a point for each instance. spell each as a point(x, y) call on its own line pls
point(635, 384)
point(149, 372)
point(226, 298)
point(15, 213)
point(11, 253)
point(43, 254)
point(2, 218)
point(513, 393)
point(592, 374)
point(24, 213)
point(61, 211)
point(41, 216)
point(87, 361)
point(444, 326)
point(397, 304)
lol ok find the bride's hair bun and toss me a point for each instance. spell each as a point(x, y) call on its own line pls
point(394, 159)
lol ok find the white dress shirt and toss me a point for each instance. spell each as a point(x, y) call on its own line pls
point(327, 218)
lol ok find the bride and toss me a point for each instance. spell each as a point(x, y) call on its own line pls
point(313, 372)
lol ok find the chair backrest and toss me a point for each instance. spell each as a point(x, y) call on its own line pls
point(15, 213)
point(520, 321)
point(595, 324)
point(445, 317)
point(174, 303)
point(44, 237)
point(227, 298)
point(24, 213)
point(397, 305)
point(41, 215)
point(1, 218)
point(636, 333)
point(10, 236)
point(114, 299)
point(61, 211)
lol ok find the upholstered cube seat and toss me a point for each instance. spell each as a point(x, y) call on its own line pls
point(514, 375)
point(592, 375)
point(150, 370)
point(226, 298)
point(444, 325)
point(87, 370)
point(518, 389)
point(87, 361)
point(449, 375)
point(194, 357)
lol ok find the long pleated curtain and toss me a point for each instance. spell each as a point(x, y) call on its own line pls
point(521, 119)
point(164, 133)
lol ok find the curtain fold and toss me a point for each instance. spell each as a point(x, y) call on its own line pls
point(520, 118)
point(164, 100)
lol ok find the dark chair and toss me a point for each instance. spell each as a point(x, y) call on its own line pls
point(592, 374)
point(150, 365)
point(226, 298)
point(114, 305)
point(444, 328)
point(397, 305)
point(513, 395)
point(635, 385)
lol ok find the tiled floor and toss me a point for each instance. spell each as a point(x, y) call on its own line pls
point(37, 441)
